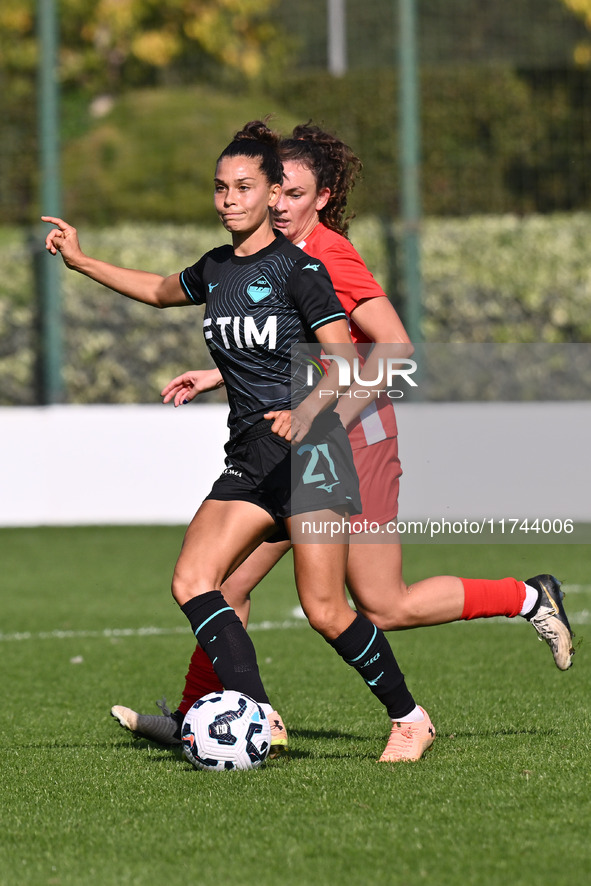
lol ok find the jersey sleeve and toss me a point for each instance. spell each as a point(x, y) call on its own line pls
point(312, 292)
point(192, 283)
point(354, 283)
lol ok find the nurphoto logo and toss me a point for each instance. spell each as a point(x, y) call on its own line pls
point(385, 373)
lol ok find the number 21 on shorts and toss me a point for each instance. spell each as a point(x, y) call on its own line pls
point(319, 464)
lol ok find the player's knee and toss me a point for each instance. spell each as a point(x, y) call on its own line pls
point(394, 611)
point(315, 618)
point(179, 590)
point(397, 616)
point(381, 620)
point(184, 586)
point(236, 591)
point(329, 621)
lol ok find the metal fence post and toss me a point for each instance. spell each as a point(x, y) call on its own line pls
point(47, 269)
point(409, 127)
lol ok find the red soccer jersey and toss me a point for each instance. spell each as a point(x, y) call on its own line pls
point(353, 283)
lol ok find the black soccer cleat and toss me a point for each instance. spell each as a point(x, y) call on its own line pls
point(549, 619)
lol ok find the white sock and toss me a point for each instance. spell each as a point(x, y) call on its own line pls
point(267, 709)
point(531, 598)
point(415, 716)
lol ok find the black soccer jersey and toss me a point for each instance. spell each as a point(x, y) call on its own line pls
point(257, 308)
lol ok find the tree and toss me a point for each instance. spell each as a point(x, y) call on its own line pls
point(107, 43)
point(582, 9)
point(107, 46)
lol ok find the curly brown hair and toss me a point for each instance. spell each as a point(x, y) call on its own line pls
point(256, 140)
point(333, 164)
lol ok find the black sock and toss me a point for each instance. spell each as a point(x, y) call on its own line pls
point(365, 648)
point(221, 634)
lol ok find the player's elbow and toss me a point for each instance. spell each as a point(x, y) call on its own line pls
point(159, 298)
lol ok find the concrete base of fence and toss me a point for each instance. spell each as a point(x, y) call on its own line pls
point(68, 465)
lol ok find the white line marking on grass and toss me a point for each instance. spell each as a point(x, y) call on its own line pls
point(116, 633)
point(576, 618)
point(576, 589)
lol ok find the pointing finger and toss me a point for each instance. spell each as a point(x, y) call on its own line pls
point(58, 222)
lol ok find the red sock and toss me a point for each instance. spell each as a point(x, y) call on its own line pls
point(199, 680)
point(484, 597)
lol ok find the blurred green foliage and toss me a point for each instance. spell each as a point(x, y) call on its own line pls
point(109, 45)
point(106, 49)
point(152, 156)
point(493, 140)
point(150, 91)
point(486, 279)
point(148, 102)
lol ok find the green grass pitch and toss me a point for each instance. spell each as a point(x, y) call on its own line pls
point(501, 798)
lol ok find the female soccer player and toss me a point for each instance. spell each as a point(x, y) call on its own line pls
point(320, 171)
point(262, 295)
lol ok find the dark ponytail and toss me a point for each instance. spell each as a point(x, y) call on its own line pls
point(256, 141)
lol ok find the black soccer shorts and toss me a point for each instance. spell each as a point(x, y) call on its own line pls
point(284, 480)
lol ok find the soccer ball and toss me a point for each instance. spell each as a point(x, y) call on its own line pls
point(226, 730)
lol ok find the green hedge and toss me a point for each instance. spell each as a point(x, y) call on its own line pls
point(486, 279)
point(495, 278)
point(152, 156)
point(494, 140)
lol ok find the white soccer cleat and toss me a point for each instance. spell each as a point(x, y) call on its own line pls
point(550, 621)
point(163, 729)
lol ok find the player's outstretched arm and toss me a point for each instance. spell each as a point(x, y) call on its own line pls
point(151, 289)
point(64, 239)
point(189, 385)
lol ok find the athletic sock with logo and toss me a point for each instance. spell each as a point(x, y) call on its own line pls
point(485, 598)
point(221, 634)
point(200, 680)
point(365, 648)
